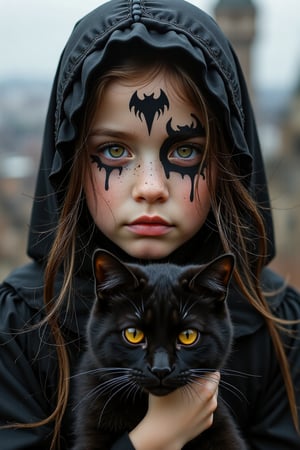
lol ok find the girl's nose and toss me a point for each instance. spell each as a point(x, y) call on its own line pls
point(150, 183)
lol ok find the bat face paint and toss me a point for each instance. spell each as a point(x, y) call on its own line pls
point(149, 106)
point(176, 136)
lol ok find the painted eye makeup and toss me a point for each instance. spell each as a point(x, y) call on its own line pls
point(112, 154)
point(178, 155)
point(189, 154)
point(110, 157)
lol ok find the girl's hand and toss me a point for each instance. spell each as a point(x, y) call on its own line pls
point(175, 419)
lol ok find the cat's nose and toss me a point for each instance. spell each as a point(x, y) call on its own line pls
point(161, 365)
point(161, 372)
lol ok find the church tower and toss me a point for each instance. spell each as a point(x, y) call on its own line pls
point(237, 20)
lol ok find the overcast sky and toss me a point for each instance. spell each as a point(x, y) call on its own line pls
point(33, 33)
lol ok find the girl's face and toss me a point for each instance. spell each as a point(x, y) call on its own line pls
point(145, 147)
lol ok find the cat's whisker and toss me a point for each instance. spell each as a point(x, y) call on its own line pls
point(122, 387)
point(233, 390)
point(190, 390)
point(108, 385)
point(133, 390)
point(90, 394)
point(238, 393)
point(197, 374)
point(237, 373)
point(197, 380)
point(105, 370)
point(203, 370)
point(227, 404)
point(230, 372)
point(137, 391)
point(101, 389)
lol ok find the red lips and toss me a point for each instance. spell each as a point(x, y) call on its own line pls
point(150, 226)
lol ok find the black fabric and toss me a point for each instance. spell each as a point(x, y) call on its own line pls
point(123, 443)
point(28, 364)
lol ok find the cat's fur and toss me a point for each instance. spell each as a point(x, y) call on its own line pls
point(115, 376)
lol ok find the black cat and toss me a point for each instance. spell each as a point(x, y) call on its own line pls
point(153, 329)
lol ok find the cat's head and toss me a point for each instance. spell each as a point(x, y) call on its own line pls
point(165, 323)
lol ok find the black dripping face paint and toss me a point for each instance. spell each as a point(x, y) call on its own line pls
point(108, 169)
point(182, 133)
point(148, 107)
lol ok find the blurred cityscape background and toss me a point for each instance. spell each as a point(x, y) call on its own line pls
point(23, 105)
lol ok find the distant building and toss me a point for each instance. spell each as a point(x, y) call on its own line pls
point(237, 18)
point(291, 131)
point(287, 166)
point(278, 118)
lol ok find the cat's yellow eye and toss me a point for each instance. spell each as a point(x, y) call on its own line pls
point(134, 335)
point(188, 337)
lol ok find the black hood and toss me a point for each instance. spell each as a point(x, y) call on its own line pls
point(171, 26)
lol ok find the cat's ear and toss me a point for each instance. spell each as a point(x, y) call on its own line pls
point(110, 272)
point(214, 276)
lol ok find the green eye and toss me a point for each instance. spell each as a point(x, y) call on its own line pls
point(134, 335)
point(186, 154)
point(185, 151)
point(116, 151)
point(188, 337)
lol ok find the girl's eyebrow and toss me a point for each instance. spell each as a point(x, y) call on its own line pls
point(195, 129)
point(108, 132)
point(185, 135)
point(119, 134)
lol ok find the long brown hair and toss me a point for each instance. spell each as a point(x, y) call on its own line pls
point(228, 199)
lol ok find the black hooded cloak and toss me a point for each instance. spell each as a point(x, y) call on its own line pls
point(28, 365)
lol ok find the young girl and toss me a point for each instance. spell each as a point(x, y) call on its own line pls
point(150, 151)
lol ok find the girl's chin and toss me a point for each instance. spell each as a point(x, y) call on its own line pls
point(151, 251)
